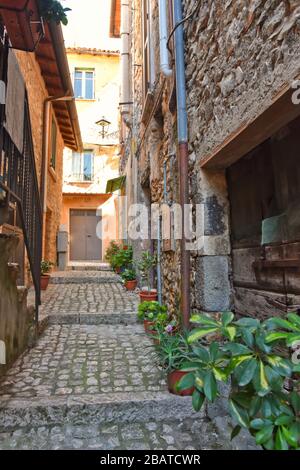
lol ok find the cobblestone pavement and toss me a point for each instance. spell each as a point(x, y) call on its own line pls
point(108, 298)
point(175, 435)
point(96, 386)
point(80, 359)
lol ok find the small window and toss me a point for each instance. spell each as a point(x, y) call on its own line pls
point(84, 84)
point(83, 166)
point(53, 144)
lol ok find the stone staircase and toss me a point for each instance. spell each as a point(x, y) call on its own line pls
point(92, 381)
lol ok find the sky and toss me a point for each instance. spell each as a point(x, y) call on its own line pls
point(89, 24)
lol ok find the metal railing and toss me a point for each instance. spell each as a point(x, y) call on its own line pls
point(18, 182)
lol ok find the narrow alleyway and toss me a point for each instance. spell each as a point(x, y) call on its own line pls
point(91, 381)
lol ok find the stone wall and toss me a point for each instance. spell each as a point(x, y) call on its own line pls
point(16, 320)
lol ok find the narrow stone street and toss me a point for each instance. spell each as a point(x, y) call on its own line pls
point(92, 382)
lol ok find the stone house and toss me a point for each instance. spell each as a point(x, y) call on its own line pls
point(242, 64)
point(38, 118)
point(89, 212)
point(90, 206)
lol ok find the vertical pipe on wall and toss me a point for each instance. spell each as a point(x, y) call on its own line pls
point(163, 38)
point(125, 86)
point(182, 129)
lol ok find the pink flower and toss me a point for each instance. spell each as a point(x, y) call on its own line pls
point(169, 328)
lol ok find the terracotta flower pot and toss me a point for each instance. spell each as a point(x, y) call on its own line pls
point(45, 278)
point(148, 327)
point(131, 285)
point(147, 296)
point(172, 380)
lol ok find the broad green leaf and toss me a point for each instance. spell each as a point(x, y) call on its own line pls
point(190, 366)
point(258, 423)
point(264, 434)
point(294, 318)
point(275, 336)
point(204, 320)
point(255, 405)
point(295, 401)
point(235, 432)
point(294, 432)
point(210, 386)
point(290, 436)
point(248, 338)
point(230, 332)
point(220, 374)
point(187, 381)
point(242, 398)
point(280, 441)
point(260, 380)
point(213, 351)
point(283, 420)
point(199, 383)
point(237, 349)
point(292, 338)
point(197, 400)
point(200, 333)
point(248, 322)
point(202, 353)
point(227, 318)
point(280, 364)
point(283, 324)
point(266, 408)
point(245, 371)
point(269, 445)
point(236, 360)
point(239, 414)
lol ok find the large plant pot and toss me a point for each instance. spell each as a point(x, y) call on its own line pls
point(148, 296)
point(172, 380)
point(148, 325)
point(45, 278)
point(131, 285)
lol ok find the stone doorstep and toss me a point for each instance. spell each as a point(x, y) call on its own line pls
point(125, 407)
point(89, 268)
point(93, 319)
point(84, 280)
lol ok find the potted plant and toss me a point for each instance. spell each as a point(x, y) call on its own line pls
point(251, 356)
point(46, 266)
point(173, 352)
point(145, 266)
point(129, 279)
point(113, 248)
point(52, 10)
point(149, 312)
point(122, 259)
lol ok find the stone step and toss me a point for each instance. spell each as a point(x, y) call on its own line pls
point(187, 434)
point(89, 267)
point(83, 277)
point(119, 318)
point(122, 407)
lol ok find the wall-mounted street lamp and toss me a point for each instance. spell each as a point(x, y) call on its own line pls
point(104, 124)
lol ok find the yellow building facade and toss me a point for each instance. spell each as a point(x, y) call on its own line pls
point(89, 214)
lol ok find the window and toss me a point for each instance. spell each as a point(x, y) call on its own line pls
point(83, 166)
point(84, 84)
point(53, 144)
point(146, 47)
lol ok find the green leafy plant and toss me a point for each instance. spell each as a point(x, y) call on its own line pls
point(247, 356)
point(46, 266)
point(145, 266)
point(150, 310)
point(52, 10)
point(122, 259)
point(129, 275)
point(172, 351)
point(113, 248)
point(289, 329)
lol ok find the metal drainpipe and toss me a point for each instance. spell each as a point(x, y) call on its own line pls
point(163, 37)
point(182, 125)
